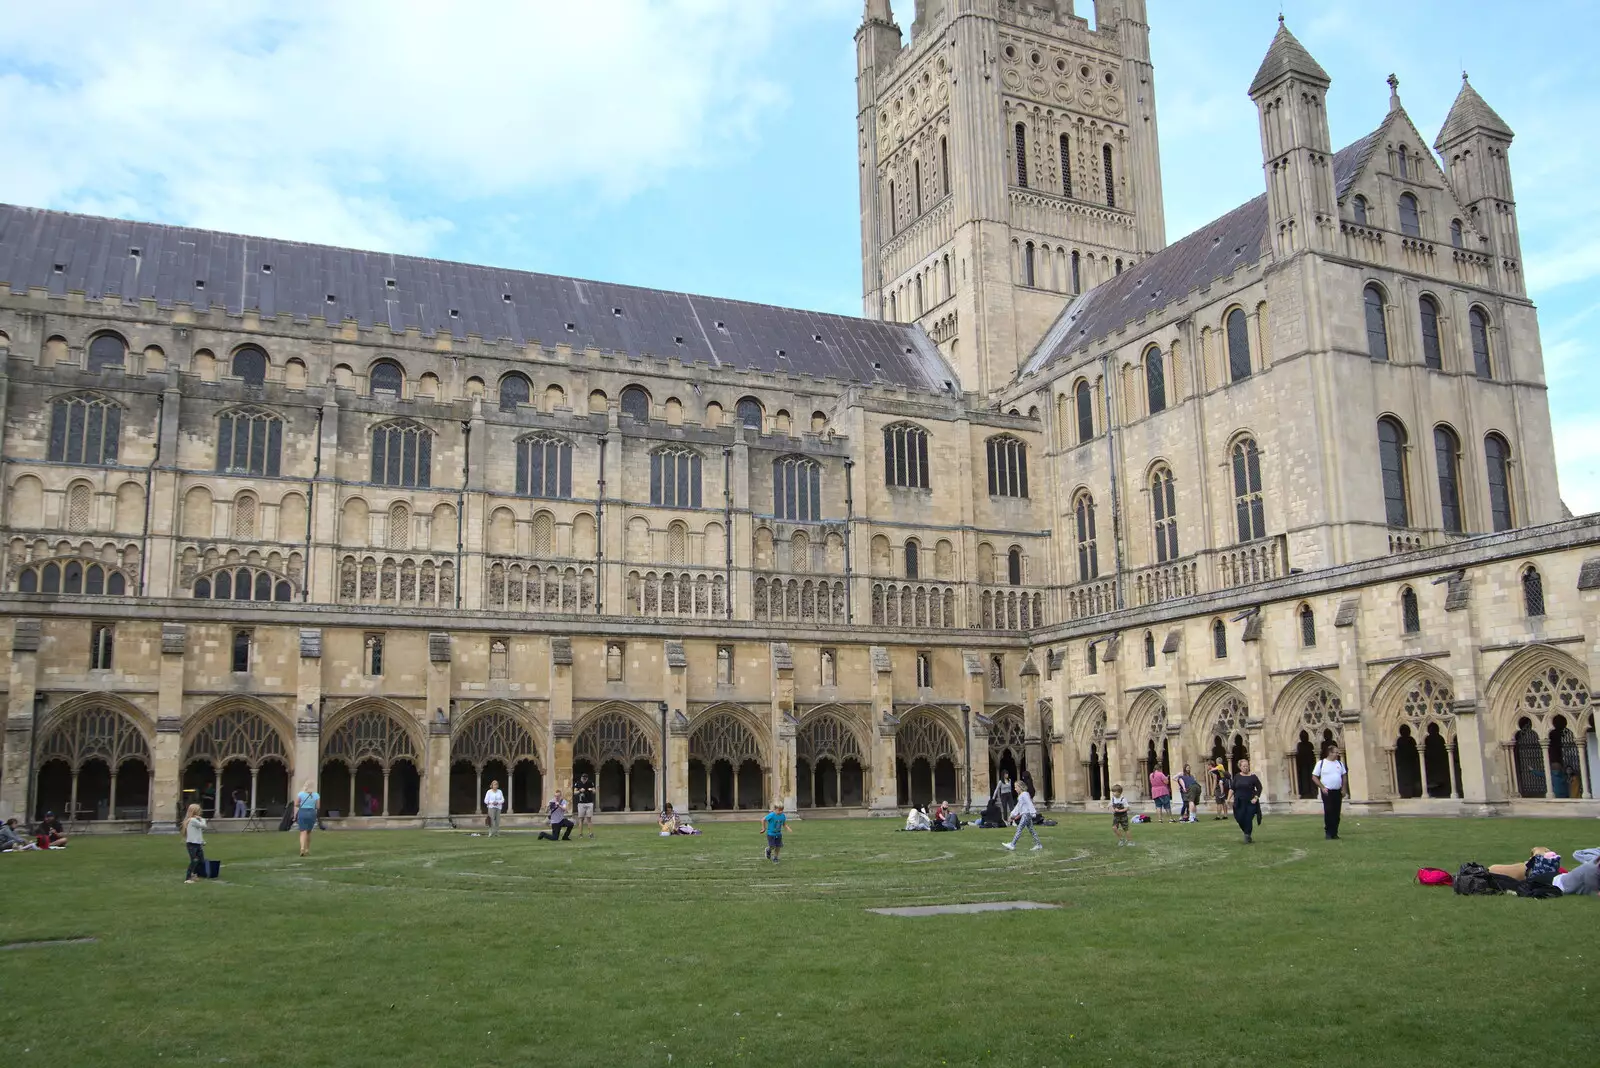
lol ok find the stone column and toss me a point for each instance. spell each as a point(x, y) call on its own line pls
point(1033, 732)
point(307, 698)
point(435, 801)
point(558, 747)
point(883, 790)
point(781, 782)
point(973, 696)
point(19, 740)
point(1469, 747)
point(1268, 765)
point(166, 773)
point(675, 691)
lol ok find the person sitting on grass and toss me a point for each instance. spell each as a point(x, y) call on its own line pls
point(50, 828)
point(945, 819)
point(557, 810)
point(917, 819)
point(11, 839)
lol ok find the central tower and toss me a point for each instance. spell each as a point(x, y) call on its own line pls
point(1008, 162)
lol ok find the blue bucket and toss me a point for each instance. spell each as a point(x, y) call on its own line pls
point(213, 869)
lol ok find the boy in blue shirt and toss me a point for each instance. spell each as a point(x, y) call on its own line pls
point(775, 821)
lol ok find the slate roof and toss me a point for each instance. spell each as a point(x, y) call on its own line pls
point(1214, 251)
point(1286, 55)
point(1470, 112)
point(177, 264)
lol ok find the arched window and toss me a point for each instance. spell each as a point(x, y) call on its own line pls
point(1410, 222)
point(250, 364)
point(1027, 264)
point(515, 389)
point(1358, 209)
point(1478, 323)
point(1377, 330)
point(1238, 346)
point(1447, 459)
point(386, 377)
point(1392, 462)
point(944, 166)
point(1163, 513)
point(796, 488)
point(920, 304)
point(1088, 553)
point(916, 183)
point(1248, 505)
point(1077, 277)
point(1155, 379)
point(1219, 639)
point(635, 404)
point(84, 429)
point(1532, 592)
point(1066, 167)
point(1497, 457)
point(1432, 353)
point(1149, 650)
point(894, 221)
point(675, 478)
point(1021, 132)
point(1008, 467)
point(1308, 627)
point(750, 413)
point(544, 467)
point(1455, 233)
point(249, 442)
point(905, 456)
point(1410, 613)
point(1084, 398)
point(107, 351)
point(402, 455)
point(913, 559)
point(1111, 184)
point(1014, 566)
point(1403, 163)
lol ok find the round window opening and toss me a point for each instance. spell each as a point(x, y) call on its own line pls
point(1083, 72)
point(1011, 53)
point(1109, 78)
point(1034, 59)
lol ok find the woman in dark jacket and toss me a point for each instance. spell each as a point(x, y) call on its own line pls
point(1245, 789)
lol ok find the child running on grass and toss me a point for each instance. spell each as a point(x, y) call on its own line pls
point(774, 822)
point(1119, 815)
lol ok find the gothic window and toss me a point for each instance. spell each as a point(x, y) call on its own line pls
point(1088, 553)
point(102, 643)
point(1432, 353)
point(1111, 185)
point(1008, 467)
point(1410, 223)
point(614, 661)
point(1402, 162)
point(1022, 155)
point(1027, 264)
point(1077, 277)
point(1447, 458)
point(1066, 167)
point(925, 670)
point(1392, 461)
point(1478, 323)
point(1083, 395)
point(913, 558)
point(1455, 233)
point(500, 658)
point(675, 478)
point(1410, 613)
point(372, 659)
point(796, 488)
point(1149, 650)
point(1164, 514)
point(750, 414)
point(515, 389)
point(916, 183)
point(1497, 455)
point(1532, 592)
point(107, 351)
point(1238, 346)
point(241, 650)
point(1377, 330)
point(249, 442)
point(402, 455)
point(544, 467)
point(894, 221)
point(1308, 627)
point(1091, 657)
point(1155, 380)
point(386, 378)
point(997, 671)
point(905, 456)
point(84, 429)
point(1248, 504)
point(944, 166)
point(250, 364)
point(635, 404)
point(1119, 264)
point(1358, 209)
point(1219, 639)
point(242, 584)
point(1014, 566)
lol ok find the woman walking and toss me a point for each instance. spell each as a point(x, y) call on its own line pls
point(306, 803)
point(493, 801)
point(194, 838)
point(1245, 789)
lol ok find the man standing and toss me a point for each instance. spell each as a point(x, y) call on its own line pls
point(558, 821)
point(1024, 814)
point(1329, 776)
point(583, 794)
point(493, 802)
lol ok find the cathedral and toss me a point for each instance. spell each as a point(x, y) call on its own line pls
point(1067, 501)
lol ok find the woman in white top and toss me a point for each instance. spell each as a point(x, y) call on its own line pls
point(1329, 775)
point(494, 801)
point(194, 838)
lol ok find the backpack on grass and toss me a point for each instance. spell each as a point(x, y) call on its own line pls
point(1474, 878)
point(1434, 877)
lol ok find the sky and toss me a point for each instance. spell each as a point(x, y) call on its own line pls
point(709, 145)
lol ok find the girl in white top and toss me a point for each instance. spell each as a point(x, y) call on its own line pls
point(194, 837)
point(494, 801)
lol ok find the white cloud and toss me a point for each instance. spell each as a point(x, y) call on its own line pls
point(329, 122)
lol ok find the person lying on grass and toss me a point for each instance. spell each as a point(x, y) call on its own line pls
point(1542, 865)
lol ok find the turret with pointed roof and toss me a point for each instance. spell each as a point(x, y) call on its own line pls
point(1296, 154)
point(1286, 57)
point(1475, 144)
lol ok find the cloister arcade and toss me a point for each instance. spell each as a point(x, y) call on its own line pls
point(618, 750)
point(727, 765)
point(829, 761)
point(494, 743)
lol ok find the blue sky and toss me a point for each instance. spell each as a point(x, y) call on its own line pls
point(708, 145)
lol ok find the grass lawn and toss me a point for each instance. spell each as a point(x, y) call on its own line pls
point(438, 948)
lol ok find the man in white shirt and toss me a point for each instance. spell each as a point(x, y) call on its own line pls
point(1329, 775)
point(1024, 813)
point(494, 801)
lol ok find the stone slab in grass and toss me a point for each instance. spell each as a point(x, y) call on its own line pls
point(963, 909)
point(46, 943)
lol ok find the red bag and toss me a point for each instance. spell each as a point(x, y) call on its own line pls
point(1433, 877)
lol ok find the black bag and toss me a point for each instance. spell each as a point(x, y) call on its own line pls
point(1538, 888)
point(288, 818)
point(1474, 878)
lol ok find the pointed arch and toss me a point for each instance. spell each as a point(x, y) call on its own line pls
point(1221, 711)
point(95, 725)
point(1147, 718)
point(1537, 682)
point(1308, 702)
point(373, 728)
point(495, 730)
point(615, 730)
point(239, 728)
